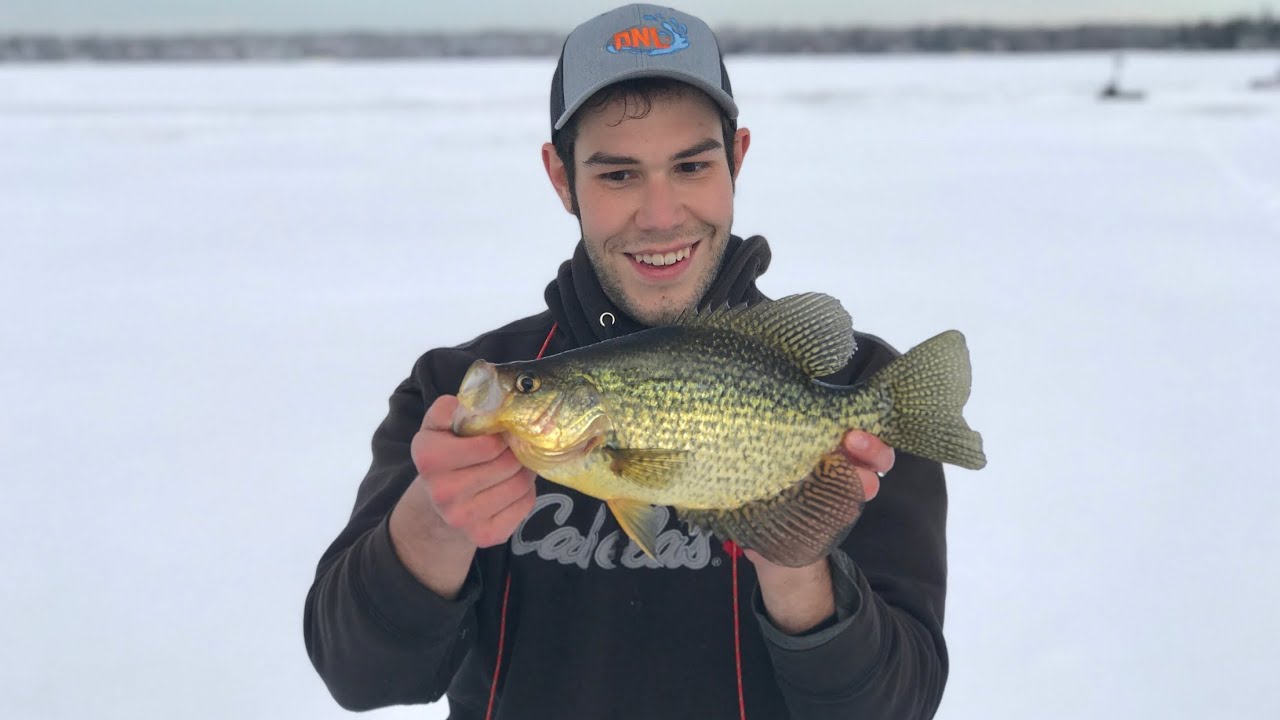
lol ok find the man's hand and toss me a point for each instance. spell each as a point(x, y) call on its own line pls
point(797, 599)
point(469, 493)
point(871, 457)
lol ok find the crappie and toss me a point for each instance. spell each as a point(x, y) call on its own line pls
point(721, 416)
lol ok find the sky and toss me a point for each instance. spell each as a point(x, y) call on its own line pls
point(124, 16)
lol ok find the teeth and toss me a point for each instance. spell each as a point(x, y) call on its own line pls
point(670, 258)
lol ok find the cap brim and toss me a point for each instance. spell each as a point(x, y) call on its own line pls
point(722, 98)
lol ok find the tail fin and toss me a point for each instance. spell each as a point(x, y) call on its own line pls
point(926, 389)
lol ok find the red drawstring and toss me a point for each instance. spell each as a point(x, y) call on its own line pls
point(734, 553)
point(506, 592)
point(547, 342)
point(502, 636)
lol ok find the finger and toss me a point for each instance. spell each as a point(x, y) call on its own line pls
point(496, 498)
point(868, 451)
point(498, 529)
point(870, 484)
point(461, 485)
point(440, 415)
point(468, 452)
point(435, 452)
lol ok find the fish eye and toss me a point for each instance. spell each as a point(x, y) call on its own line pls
point(527, 383)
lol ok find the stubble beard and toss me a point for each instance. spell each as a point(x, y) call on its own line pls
point(668, 310)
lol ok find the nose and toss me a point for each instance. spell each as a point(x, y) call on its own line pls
point(661, 208)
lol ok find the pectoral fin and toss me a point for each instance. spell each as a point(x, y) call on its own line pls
point(640, 521)
point(654, 469)
point(799, 525)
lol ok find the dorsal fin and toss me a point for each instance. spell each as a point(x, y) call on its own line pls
point(811, 329)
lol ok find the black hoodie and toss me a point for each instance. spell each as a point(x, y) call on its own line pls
point(593, 627)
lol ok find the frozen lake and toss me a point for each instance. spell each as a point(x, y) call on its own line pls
point(213, 276)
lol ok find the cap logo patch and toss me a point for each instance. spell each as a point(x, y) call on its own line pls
point(656, 35)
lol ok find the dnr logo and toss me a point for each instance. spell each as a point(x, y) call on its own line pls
point(656, 35)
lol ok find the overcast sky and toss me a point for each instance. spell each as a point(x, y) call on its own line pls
point(160, 15)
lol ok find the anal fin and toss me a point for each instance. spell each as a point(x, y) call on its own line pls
point(640, 521)
point(799, 525)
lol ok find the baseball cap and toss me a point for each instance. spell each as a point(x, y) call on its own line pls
point(637, 41)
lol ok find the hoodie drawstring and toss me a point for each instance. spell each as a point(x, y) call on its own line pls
point(506, 591)
point(734, 553)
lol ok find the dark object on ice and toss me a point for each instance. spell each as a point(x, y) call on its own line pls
point(1271, 82)
point(1112, 90)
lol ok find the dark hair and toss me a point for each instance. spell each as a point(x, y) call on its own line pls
point(638, 96)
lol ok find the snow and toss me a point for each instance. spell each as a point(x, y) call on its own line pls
point(214, 276)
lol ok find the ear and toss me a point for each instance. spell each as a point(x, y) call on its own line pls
point(558, 176)
point(741, 141)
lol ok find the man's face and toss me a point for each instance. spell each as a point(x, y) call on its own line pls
point(655, 200)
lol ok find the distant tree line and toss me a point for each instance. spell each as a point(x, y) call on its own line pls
point(1239, 33)
point(1227, 35)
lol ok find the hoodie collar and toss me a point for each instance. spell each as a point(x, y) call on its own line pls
point(586, 315)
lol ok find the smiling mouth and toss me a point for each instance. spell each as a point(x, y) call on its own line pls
point(664, 259)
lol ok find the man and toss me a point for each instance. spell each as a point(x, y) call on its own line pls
point(459, 571)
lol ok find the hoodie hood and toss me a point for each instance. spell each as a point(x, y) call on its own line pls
point(582, 309)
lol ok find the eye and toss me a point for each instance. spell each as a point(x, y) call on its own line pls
point(617, 176)
point(527, 383)
point(689, 168)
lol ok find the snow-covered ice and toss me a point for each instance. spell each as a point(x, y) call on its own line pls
point(213, 276)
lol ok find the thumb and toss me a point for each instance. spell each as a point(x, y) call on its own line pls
point(439, 416)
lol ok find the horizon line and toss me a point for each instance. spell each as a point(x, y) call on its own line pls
point(1259, 18)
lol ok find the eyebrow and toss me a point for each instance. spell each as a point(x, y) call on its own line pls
point(602, 158)
point(698, 149)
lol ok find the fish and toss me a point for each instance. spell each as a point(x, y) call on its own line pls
point(723, 416)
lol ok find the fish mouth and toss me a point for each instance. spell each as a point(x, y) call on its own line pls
point(479, 400)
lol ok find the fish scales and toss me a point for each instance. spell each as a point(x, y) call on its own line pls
point(752, 423)
point(722, 416)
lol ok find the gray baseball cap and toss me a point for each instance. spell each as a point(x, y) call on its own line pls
point(637, 41)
